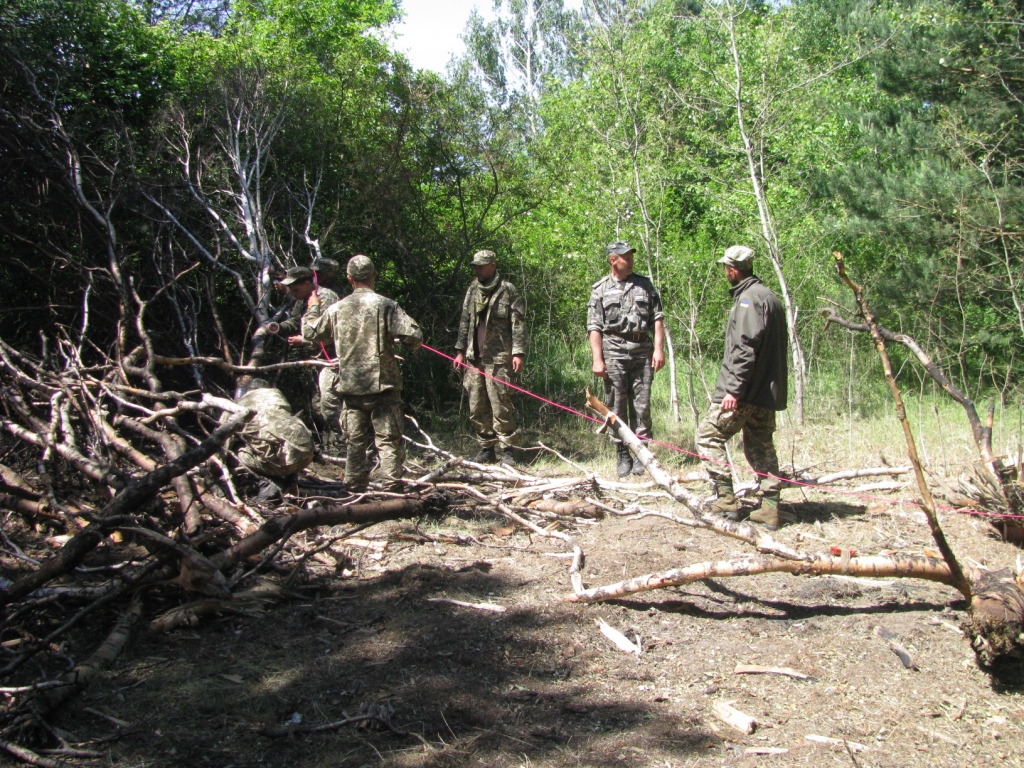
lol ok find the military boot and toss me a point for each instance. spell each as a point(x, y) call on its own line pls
point(510, 457)
point(486, 456)
point(624, 460)
point(638, 467)
point(769, 515)
point(726, 504)
point(269, 490)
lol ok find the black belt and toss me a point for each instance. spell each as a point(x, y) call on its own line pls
point(630, 336)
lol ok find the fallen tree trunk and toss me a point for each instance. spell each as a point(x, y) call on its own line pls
point(995, 625)
point(697, 506)
point(332, 514)
point(927, 568)
point(927, 502)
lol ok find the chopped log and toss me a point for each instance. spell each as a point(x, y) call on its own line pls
point(732, 717)
point(572, 508)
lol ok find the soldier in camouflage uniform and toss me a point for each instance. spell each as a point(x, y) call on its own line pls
point(492, 336)
point(276, 444)
point(364, 326)
point(623, 312)
point(329, 405)
point(300, 282)
point(751, 387)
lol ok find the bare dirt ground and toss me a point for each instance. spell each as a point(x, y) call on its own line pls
point(538, 685)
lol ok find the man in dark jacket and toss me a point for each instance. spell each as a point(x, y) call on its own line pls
point(751, 387)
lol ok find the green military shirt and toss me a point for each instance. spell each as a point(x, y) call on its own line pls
point(504, 325)
point(276, 443)
point(629, 306)
point(363, 327)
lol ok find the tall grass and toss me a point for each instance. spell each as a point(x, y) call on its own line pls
point(850, 418)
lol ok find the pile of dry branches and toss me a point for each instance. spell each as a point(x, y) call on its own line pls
point(119, 496)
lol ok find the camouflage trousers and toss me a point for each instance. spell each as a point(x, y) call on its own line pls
point(627, 390)
point(378, 418)
point(757, 425)
point(490, 407)
point(329, 405)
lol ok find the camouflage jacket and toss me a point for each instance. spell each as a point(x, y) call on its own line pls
point(363, 326)
point(629, 306)
point(276, 443)
point(292, 326)
point(754, 368)
point(504, 325)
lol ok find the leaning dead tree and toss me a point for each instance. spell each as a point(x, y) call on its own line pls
point(995, 599)
point(996, 483)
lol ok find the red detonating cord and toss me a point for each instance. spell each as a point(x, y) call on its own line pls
point(677, 449)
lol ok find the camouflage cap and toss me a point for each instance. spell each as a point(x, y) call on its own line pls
point(482, 258)
point(360, 268)
point(297, 275)
point(325, 265)
point(738, 256)
point(619, 248)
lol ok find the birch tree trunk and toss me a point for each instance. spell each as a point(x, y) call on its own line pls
point(754, 159)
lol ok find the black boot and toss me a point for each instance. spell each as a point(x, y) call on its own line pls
point(269, 490)
point(638, 467)
point(510, 457)
point(624, 461)
point(486, 456)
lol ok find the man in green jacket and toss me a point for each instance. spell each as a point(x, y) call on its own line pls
point(751, 387)
point(364, 326)
point(492, 336)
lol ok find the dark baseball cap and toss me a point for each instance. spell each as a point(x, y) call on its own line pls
point(297, 275)
point(619, 248)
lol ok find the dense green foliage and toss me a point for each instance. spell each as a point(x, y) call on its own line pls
point(171, 155)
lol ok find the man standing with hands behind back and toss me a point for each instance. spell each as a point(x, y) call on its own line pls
point(751, 387)
point(492, 335)
point(623, 312)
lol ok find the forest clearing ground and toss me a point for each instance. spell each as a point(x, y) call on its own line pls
point(539, 685)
